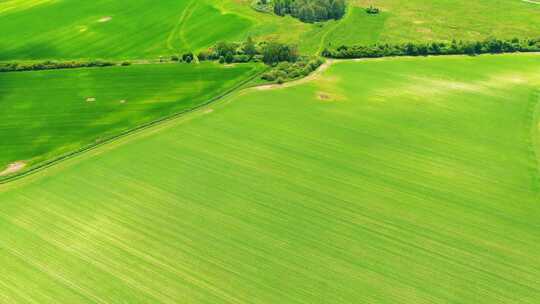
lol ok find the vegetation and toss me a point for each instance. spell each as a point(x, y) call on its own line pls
point(373, 10)
point(118, 30)
point(286, 71)
point(270, 53)
point(490, 46)
point(311, 10)
point(49, 113)
point(53, 65)
point(360, 187)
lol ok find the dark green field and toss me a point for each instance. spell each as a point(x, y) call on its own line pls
point(48, 113)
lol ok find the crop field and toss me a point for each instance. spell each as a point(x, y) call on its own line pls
point(47, 113)
point(411, 180)
point(419, 20)
point(124, 29)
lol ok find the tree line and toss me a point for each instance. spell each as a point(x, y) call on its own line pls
point(311, 10)
point(268, 52)
point(488, 46)
point(52, 65)
point(284, 59)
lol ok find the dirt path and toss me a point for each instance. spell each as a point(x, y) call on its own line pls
point(12, 168)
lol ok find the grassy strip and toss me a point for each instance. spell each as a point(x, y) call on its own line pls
point(40, 166)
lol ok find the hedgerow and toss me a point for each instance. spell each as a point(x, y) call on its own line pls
point(489, 46)
point(52, 65)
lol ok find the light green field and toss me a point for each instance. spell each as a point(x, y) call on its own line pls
point(48, 113)
point(383, 181)
point(123, 29)
point(418, 20)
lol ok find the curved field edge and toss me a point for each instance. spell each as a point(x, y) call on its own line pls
point(28, 169)
point(314, 193)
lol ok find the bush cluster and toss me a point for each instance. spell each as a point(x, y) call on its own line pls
point(268, 52)
point(51, 65)
point(285, 71)
point(311, 10)
point(373, 10)
point(263, 6)
point(493, 46)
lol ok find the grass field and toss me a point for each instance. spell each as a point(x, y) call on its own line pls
point(419, 20)
point(123, 29)
point(47, 113)
point(383, 181)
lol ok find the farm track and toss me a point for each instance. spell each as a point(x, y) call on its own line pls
point(177, 30)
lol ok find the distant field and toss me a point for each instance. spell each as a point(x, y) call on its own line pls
point(47, 113)
point(123, 29)
point(418, 20)
point(383, 181)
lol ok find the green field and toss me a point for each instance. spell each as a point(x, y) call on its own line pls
point(418, 20)
point(48, 113)
point(411, 180)
point(123, 29)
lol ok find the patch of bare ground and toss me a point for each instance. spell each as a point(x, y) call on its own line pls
point(13, 168)
point(105, 19)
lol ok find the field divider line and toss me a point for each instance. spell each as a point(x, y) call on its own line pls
point(49, 163)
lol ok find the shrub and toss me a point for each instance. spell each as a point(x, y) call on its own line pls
point(187, 57)
point(372, 10)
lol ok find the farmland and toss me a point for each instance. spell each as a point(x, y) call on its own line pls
point(49, 113)
point(123, 29)
point(410, 180)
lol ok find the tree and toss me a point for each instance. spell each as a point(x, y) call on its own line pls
point(249, 48)
point(187, 57)
point(277, 52)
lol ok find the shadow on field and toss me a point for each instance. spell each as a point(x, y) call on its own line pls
point(31, 51)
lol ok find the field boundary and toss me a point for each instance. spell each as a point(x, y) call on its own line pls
point(54, 161)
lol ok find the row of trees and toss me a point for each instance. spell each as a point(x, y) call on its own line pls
point(311, 10)
point(52, 65)
point(492, 46)
point(267, 52)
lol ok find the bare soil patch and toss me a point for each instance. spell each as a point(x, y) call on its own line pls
point(12, 168)
point(323, 96)
point(91, 99)
point(105, 19)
